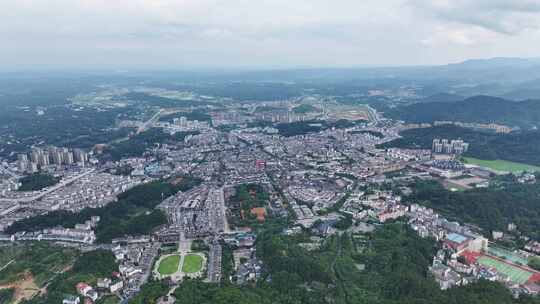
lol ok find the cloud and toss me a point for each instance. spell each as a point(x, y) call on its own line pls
point(509, 17)
point(446, 35)
point(263, 32)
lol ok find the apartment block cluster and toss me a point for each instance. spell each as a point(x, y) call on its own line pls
point(78, 189)
point(92, 191)
point(39, 158)
point(182, 124)
point(445, 146)
point(282, 116)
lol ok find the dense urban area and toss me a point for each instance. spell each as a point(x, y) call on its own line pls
point(265, 193)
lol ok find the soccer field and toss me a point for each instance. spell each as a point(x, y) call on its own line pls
point(501, 165)
point(516, 274)
point(169, 265)
point(192, 263)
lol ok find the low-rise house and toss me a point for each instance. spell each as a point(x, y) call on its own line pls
point(71, 300)
point(117, 286)
point(104, 283)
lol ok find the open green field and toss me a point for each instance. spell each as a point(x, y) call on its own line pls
point(501, 165)
point(169, 265)
point(515, 274)
point(192, 263)
point(507, 255)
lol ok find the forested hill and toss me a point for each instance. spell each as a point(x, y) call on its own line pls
point(479, 109)
point(522, 147)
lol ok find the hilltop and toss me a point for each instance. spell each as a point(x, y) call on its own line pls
point(477, 109)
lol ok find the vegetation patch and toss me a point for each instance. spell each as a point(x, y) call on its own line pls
point(37, 181)
point(136, 145)
point(194, 115)
point(396, 263)
point(311, 126)
point(169, 265)
point(519, 147)
point(150, 292)
point(6, 295)
point(39, 260)
point(246, 197)
point(492, 209)
point(501, 165)
point(133, 214)
point(305, 108)
point(40, 266)
point(478, 109)
point(192, 263)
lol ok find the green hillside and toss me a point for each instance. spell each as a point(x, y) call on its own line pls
point(520, 147)
point(479, 109)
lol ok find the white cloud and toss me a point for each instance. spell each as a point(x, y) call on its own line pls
point(509, 17)
point(261, 32)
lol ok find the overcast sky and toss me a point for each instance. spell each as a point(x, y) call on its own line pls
point(265, 33)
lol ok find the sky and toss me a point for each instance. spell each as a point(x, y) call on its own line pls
point(265, 33)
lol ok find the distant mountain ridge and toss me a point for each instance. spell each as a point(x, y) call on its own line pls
point(477, 109)
point(442, 97)
point(498, 62)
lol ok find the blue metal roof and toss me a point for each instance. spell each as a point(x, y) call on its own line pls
point(456, 238)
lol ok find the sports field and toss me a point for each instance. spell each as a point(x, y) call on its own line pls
point(507, 255)
point(501, 165)
point(515, 274)
point(192, 263)
point(169, 265)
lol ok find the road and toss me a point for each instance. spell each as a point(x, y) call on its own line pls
point(214, 262)
point(373, 114)
point(61, 184)
point(218, 219)
point(5, 266)
point(150, 122)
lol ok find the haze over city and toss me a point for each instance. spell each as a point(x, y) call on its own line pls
point(269, 151)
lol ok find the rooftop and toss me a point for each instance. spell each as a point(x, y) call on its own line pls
point(456, 238)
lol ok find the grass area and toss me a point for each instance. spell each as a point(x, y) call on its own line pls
point(305, 108)
point(41, 260)
point(507, 255)
point(6, 295)
point(169, 265)
point(501, 165)
point(41, 264)
point(192, 263)
point(515, 274)
point(109, 300)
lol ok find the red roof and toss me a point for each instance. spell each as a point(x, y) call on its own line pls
point(82, 285)
point(535, 278)
point(470, 256)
